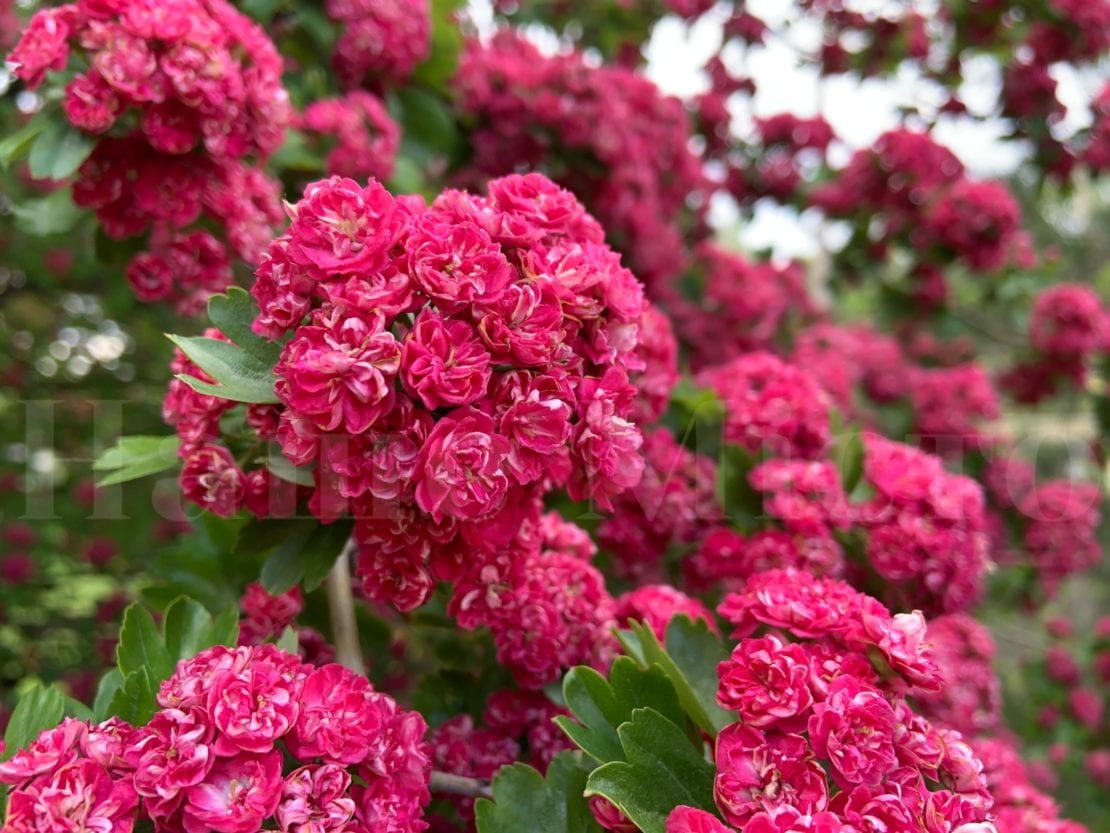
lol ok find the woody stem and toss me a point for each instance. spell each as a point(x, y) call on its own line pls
point(445, 782)
point(341, 610)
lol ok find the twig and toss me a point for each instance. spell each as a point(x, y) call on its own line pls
point(341, 610)
point(445, 782)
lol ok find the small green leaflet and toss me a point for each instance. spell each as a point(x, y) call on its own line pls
point(243, 369)
point(134, 457)
point(662, 769)
point(600, 706)
point(523, 800)
point(58, 151)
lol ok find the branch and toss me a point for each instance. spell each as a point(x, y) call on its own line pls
point(341, 611)
point(445, 782)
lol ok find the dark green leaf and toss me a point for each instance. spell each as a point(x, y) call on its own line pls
point(110, 683)
point(742, 503)
point(135, 700)
point(523, 800)
point(306, 556)
point(225, 627)
point(847, 456)
point(141, 645)
point(288, 641)
point(134, 457)
point(187, 628)
point(59, 151)
point(40, 708)
point(690, 663)
point(601, 706)
point(662, 770)
point(232, 314)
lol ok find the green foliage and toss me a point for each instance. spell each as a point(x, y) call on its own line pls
point(690, 662)
point(40, 708)
point(58, 151)
point(601, 705)
point(15, 145)
point(523, 800)
point(297, 551)
point(243, 368)
point(134, 457)
point(661, 769)
point(443, 59)
point(43, 216)
point(742, 503)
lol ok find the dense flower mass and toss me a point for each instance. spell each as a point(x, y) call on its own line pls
point(363, 138)
point(638, 138)
point(243, 735)
point(379, 41)
point(447, 365)
point(826, 739)
point(180, 95)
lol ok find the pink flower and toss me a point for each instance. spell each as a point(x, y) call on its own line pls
point(189, 685)
point(605, 443)
point(691, 820)
point(339, 372)
point(340, 715)
point(315, 800)
point(524, 325)
point(211, 479)
point(252, 707)
point(766, 681)
point(657, 605)
point(43, 46)
point(791, 820)
point(1067, 320)
point(237, 795)
point(537, 424)
point(80, 796)
point(342, 228)
point(854, 730)
point(107, 743)
point(456, 263)
point(1087, 706)
point(443, 362)
point(51, 750)
point(462, 472)
point(758, 772)
point(173, 753)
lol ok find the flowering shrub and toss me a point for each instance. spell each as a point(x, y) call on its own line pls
point(531, 399)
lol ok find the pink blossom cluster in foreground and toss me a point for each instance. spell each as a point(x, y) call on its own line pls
point(243, 736)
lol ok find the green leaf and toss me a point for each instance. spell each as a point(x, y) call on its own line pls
point(742, 503)
point(59, 151)
point(185, 628)
point(523, 800)
point(847, 455)
point(40, 708)
point(232, 314)
point(443, 58)
point(15, 145)
point(690, 662)
point(601, 706)
point(662, 770)
point(288, 641)
point(429, 129)
point(141, 646)
point(134, 457)
point(225, 627)
point(135, 701)
point(77, 709)
point(240, 377)
point(110, 683)
point(53, 214)
point(304, 553)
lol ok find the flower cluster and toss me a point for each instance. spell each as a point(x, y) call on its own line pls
point(380, 40)
point(971, 700)
point(1068, 327)
point(826, 739)
point(187, 92)
point(916, 192)
point(362, 136)
point(949, 405)
point(457, 362)
point(742, 305)
point(243, 735)
point(770, 405)
point(926, 529)
point(544, 111)
point(1060, 525)
point(265, 617)
point(786, 151)
point(848, 360)
point(667, 508)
